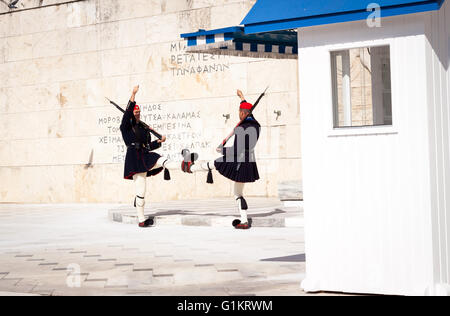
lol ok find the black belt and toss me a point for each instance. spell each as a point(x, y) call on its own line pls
point(137, 146)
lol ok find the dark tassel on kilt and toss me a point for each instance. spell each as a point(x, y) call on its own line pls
point(209, 179)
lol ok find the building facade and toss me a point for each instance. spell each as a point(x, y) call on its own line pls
point(60, 140)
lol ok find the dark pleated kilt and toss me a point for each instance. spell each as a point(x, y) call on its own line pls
point(246, 173)
point(140, 161)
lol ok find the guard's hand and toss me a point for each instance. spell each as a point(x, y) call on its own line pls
point(163, 140)
point(136, 89)
point(219, 149)
point(239, 93)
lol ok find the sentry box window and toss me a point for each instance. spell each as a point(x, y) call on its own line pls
point(362, 87)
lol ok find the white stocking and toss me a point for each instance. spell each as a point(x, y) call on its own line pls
point(239, 193)
point(140, 181)
point(163, 162)
point(202, 166)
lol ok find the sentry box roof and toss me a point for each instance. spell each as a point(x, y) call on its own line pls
point(269, 29)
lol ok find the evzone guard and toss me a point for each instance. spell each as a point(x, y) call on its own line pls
point(141, 162)
point(238, 162)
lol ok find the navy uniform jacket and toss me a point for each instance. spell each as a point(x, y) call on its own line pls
point(238, 162)
point(135, 136)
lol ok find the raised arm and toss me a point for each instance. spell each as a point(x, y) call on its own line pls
point(133, 94)
point(128, 119)
point(241, 95)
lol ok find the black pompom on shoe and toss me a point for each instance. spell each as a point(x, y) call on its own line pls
point(188, 156)
point(236, 222)
point(148, 223)
point(166, 175)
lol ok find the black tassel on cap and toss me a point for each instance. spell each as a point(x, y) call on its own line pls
point(209, 179)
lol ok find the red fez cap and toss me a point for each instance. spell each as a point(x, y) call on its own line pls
point(246, 106)
point(136, 108)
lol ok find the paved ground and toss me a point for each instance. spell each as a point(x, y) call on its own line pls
point(77, 250)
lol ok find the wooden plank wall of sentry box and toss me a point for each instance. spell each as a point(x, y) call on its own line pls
point(377, 200)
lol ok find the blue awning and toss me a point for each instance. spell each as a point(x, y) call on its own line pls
point(269, 29)
point(233, 41)
point(270, 15)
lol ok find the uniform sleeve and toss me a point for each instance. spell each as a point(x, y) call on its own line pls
point(128, 117)
point(233, 150)
point(230, 150)
point(155, 145)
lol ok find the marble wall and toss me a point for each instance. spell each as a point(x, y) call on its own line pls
point(60, 59)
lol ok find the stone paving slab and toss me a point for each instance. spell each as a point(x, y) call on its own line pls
point(75, 250)
point(16, 294)
point(213, 213)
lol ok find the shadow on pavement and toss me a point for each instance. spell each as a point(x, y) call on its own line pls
point(294, 258)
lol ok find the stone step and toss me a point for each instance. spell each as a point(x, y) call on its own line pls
point(216, 221)
point(218, 213)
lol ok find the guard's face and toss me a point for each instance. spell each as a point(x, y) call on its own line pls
point(242, 115)
point(137, 115)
